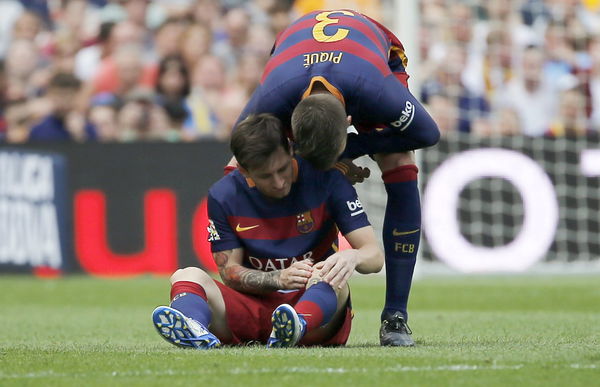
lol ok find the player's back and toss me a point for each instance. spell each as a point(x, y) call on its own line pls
point(342, 46)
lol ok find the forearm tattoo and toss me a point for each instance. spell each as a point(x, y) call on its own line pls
point(245, 279)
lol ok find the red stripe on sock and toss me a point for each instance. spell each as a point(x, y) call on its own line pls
point(401, 174)
point(187, 287)
point(312, 313)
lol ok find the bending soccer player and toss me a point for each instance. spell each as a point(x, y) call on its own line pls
point(273, 229)
point(331, 60)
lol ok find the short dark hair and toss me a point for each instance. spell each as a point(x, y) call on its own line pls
point(163, 66)
point(319, 125)
point(256, 138)
point(64, 81)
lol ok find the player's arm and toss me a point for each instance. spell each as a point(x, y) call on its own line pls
point(365, 256)
point(242, 278)
point(255, 281)
point(228, 253)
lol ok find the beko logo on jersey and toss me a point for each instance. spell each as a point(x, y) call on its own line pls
point(355, 207)
point(406, 116)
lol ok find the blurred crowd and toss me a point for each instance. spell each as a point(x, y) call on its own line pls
point(131, 70)
point(182, 70)
point(511, 67)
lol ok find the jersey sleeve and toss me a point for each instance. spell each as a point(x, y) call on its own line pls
point(220, 234)
point(408, 126)
point(273, 102)
point(347, 210)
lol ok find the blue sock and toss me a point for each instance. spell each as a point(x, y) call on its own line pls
point(401, 236)
point(317, 305)
point(190, 299)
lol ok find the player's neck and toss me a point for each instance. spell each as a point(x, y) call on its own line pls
point(319, 88)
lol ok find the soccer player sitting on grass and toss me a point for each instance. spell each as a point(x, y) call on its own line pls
point(273, 226)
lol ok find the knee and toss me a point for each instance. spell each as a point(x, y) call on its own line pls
point(389, 161)
point(343, 294)
point(191, 274)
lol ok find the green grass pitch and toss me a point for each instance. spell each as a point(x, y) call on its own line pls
point(482, 331)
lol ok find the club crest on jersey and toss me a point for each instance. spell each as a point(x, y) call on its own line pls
point(304, 222)
point(213, 235)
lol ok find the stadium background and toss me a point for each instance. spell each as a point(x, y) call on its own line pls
point(519, 76)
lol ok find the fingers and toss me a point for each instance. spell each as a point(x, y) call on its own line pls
point(358, 174)
point(332, 276)
point(319, 265)
point(295, 281)
point(301, 269)
point(328, 264)
point(298, 282)
point(339, 276)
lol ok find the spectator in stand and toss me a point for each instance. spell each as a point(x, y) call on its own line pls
point(208, 13)
point(141, 119)
point(247, 74)
point(490, 68)
point(444, 112)
point(280, 15)
point(124, 72)
point(167, 35)
point(23, 67)
point(448, 81)
point(28, 26)
point(260, 41)
point(208, 88)
point(78, 18)
point(530, 94)
point(505, 122)
point(172, 89)
point(87, 60)
point(136, 11)
point(195, 43)
point(64, 123)
point(173, 83)
point(10, 11)
point(66, 45)
point(560, 57)
point(231, 47)
point(18, 121)
point(103, 115)
point(569, 119)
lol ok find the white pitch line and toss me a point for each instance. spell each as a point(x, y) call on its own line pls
point(287, 370)
point(246, 371)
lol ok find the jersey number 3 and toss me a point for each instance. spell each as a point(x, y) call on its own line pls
point(324, 20)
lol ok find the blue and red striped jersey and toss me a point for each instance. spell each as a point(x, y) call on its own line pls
point(357, 59)
point(276, 233)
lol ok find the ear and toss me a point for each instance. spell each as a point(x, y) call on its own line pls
point(349, 119)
